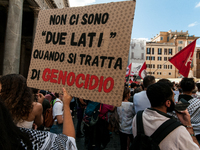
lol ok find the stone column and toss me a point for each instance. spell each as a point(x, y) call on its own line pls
point(36, 11)
point(13, 37)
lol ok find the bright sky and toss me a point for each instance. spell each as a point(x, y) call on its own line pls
point(153, 16)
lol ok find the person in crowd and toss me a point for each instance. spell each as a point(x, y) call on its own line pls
point(43, 92)
point(125, 84)
point(45, 103)
point(141, 86)
point(130, 81)
point(98, 134)
point(72, 105)
point(61, 96)
point(57, 126)
point(187, 86)
point(161, 98)
point(53, 98)
point(126, 113)
point(18, 99)
point(137, 90)
point(173, 85)
point(133, 87)
point(170, 84)
point(194, 92)
point(80, 109)
point(50, 97)
point(179, 88)
point(198, 89)
point(104, 111)
point(141, 100)
point(175, 89)
point(13, 137)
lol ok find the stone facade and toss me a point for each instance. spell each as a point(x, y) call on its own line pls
point(137, 51)
point(18, 20)
point(164, 46)
point(198, 62)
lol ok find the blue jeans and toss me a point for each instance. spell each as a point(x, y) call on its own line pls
point(58, 129)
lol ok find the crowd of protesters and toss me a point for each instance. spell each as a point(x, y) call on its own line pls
point(22, 115)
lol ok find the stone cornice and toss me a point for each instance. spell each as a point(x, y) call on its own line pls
point(66, 2)
point(50, 3)
point(4, 3)
point(42, 4)
point(60, 3)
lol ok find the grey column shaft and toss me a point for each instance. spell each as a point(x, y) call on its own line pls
point(34, 27)
point(13, 37)
point(36, 11)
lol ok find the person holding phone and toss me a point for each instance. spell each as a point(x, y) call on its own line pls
point(161, 98)
point(188, 85)
point(185, 100)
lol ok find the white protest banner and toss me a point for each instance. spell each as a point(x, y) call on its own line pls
point(135, 68)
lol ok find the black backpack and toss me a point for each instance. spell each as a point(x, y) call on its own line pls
point(144, 142)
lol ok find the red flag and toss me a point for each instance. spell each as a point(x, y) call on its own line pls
point(128, 70)
point(182, 60)
point(142, 73)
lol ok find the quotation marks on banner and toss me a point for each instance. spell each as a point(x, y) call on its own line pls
point(113, 34)
point(43, 33)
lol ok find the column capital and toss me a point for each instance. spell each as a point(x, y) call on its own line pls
point(35, 11)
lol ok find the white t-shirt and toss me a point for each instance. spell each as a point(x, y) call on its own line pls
point(178, 139)
point(57, 108)
point(126, 113)
point(141, 101)
point(25, 124)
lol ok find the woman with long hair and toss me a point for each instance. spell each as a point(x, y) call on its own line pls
point(15, 138)
point(18, 99)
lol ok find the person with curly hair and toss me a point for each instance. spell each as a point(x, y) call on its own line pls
point(15, 138)
point(18, 99)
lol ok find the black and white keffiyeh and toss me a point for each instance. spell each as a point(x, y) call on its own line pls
point(43, 140)
point(194, 111)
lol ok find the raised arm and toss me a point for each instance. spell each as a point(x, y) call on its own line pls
point(68, 125)
point(184, 117)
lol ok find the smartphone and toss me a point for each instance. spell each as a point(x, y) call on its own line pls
point(181, 105)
